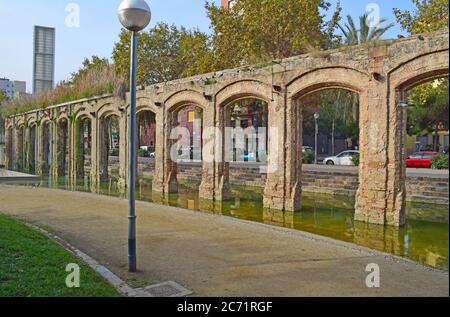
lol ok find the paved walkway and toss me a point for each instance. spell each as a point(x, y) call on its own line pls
point(214, 255)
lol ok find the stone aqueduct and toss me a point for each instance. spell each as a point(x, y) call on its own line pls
point(381, 75)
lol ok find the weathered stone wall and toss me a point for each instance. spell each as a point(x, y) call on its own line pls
point(380, 74)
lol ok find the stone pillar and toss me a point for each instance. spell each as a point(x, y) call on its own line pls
point(158, 178)
point(206, 190)
point(396, 172)
point(44, 146)
point(26, 149)
point(18, 148)
point(39, 148)
point(170, 183)
point(54, 149)
point(103, 149)
point(32, 149)
point(221, 165)
point(381, 195)
point(95, 152)
point(73, 140)
point(8, 148)
point(123, 151)
point(283, 186)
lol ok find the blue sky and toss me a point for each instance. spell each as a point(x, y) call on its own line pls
point(99, 28)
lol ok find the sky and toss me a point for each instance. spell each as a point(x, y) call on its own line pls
point(98, 28)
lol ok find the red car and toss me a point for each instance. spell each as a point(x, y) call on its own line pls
point(420, 160)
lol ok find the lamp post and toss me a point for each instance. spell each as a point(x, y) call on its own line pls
point(134, 15)
point(316, 118)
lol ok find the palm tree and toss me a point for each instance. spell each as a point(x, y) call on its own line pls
point(365, 34)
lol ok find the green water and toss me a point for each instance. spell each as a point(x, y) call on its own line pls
point(424, 239)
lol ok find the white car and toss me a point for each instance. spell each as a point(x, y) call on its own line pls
point(345, 158)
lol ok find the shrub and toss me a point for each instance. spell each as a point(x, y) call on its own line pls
point(143, 153)
point(308, 157)
point(356, 159)
point(440, 162)
point(93, 82)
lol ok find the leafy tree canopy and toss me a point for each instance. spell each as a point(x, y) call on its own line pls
point(254, 31)
point(429, 15)
point(165, 53)
point(428, 108)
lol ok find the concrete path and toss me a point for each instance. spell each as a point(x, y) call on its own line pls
point(214, 255)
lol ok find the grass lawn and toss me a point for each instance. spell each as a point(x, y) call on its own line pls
point(32, 265)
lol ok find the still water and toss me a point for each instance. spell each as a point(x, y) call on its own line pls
point(424, 239)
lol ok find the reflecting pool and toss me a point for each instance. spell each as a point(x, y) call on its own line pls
point(424, 239)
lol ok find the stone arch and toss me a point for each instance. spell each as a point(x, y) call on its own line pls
point(225, 96)
point(19, 137)
point(402, 78)
point(146, 104)
point(181, 98)
point(167, 172)
point(107, 110)
point(420, 69)
point(307, 83)
point(244, 89)
point(326, 78)
point(45, 146)
point(104, 114)
point(83, 126)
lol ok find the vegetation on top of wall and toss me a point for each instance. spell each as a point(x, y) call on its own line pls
point(96, 77)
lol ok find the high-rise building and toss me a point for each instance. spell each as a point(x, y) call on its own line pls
point(227, 3)
point(13, 89)
point(7, 87)
point(44, 59)
point(20, 88)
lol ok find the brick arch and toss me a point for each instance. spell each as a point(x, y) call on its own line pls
point(145, 104)
point(184, 98)
point(62, 117)
point(419, 70)
point(81, 115)
point(244, 89)
point(403, 77)
point(45, 121)
point(20, 122)
point(9, 124)
point(108, 109)
point(328, 78)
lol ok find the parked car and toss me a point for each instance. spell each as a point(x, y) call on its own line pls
point(345, 158)
point(420, 160)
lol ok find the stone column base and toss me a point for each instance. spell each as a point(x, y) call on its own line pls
point(371, 208)
point(276, 201)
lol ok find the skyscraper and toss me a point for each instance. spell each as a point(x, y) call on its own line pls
point(44, 59)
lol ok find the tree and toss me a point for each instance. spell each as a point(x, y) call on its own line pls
point(429, 101)
point(89, 65)
point(428, 109)
point(165, 53)
point(430, 15)
point(365, 33)
point(255, 31)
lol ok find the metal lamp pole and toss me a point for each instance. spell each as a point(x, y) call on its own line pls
point(134, 15)
point(316, 118)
